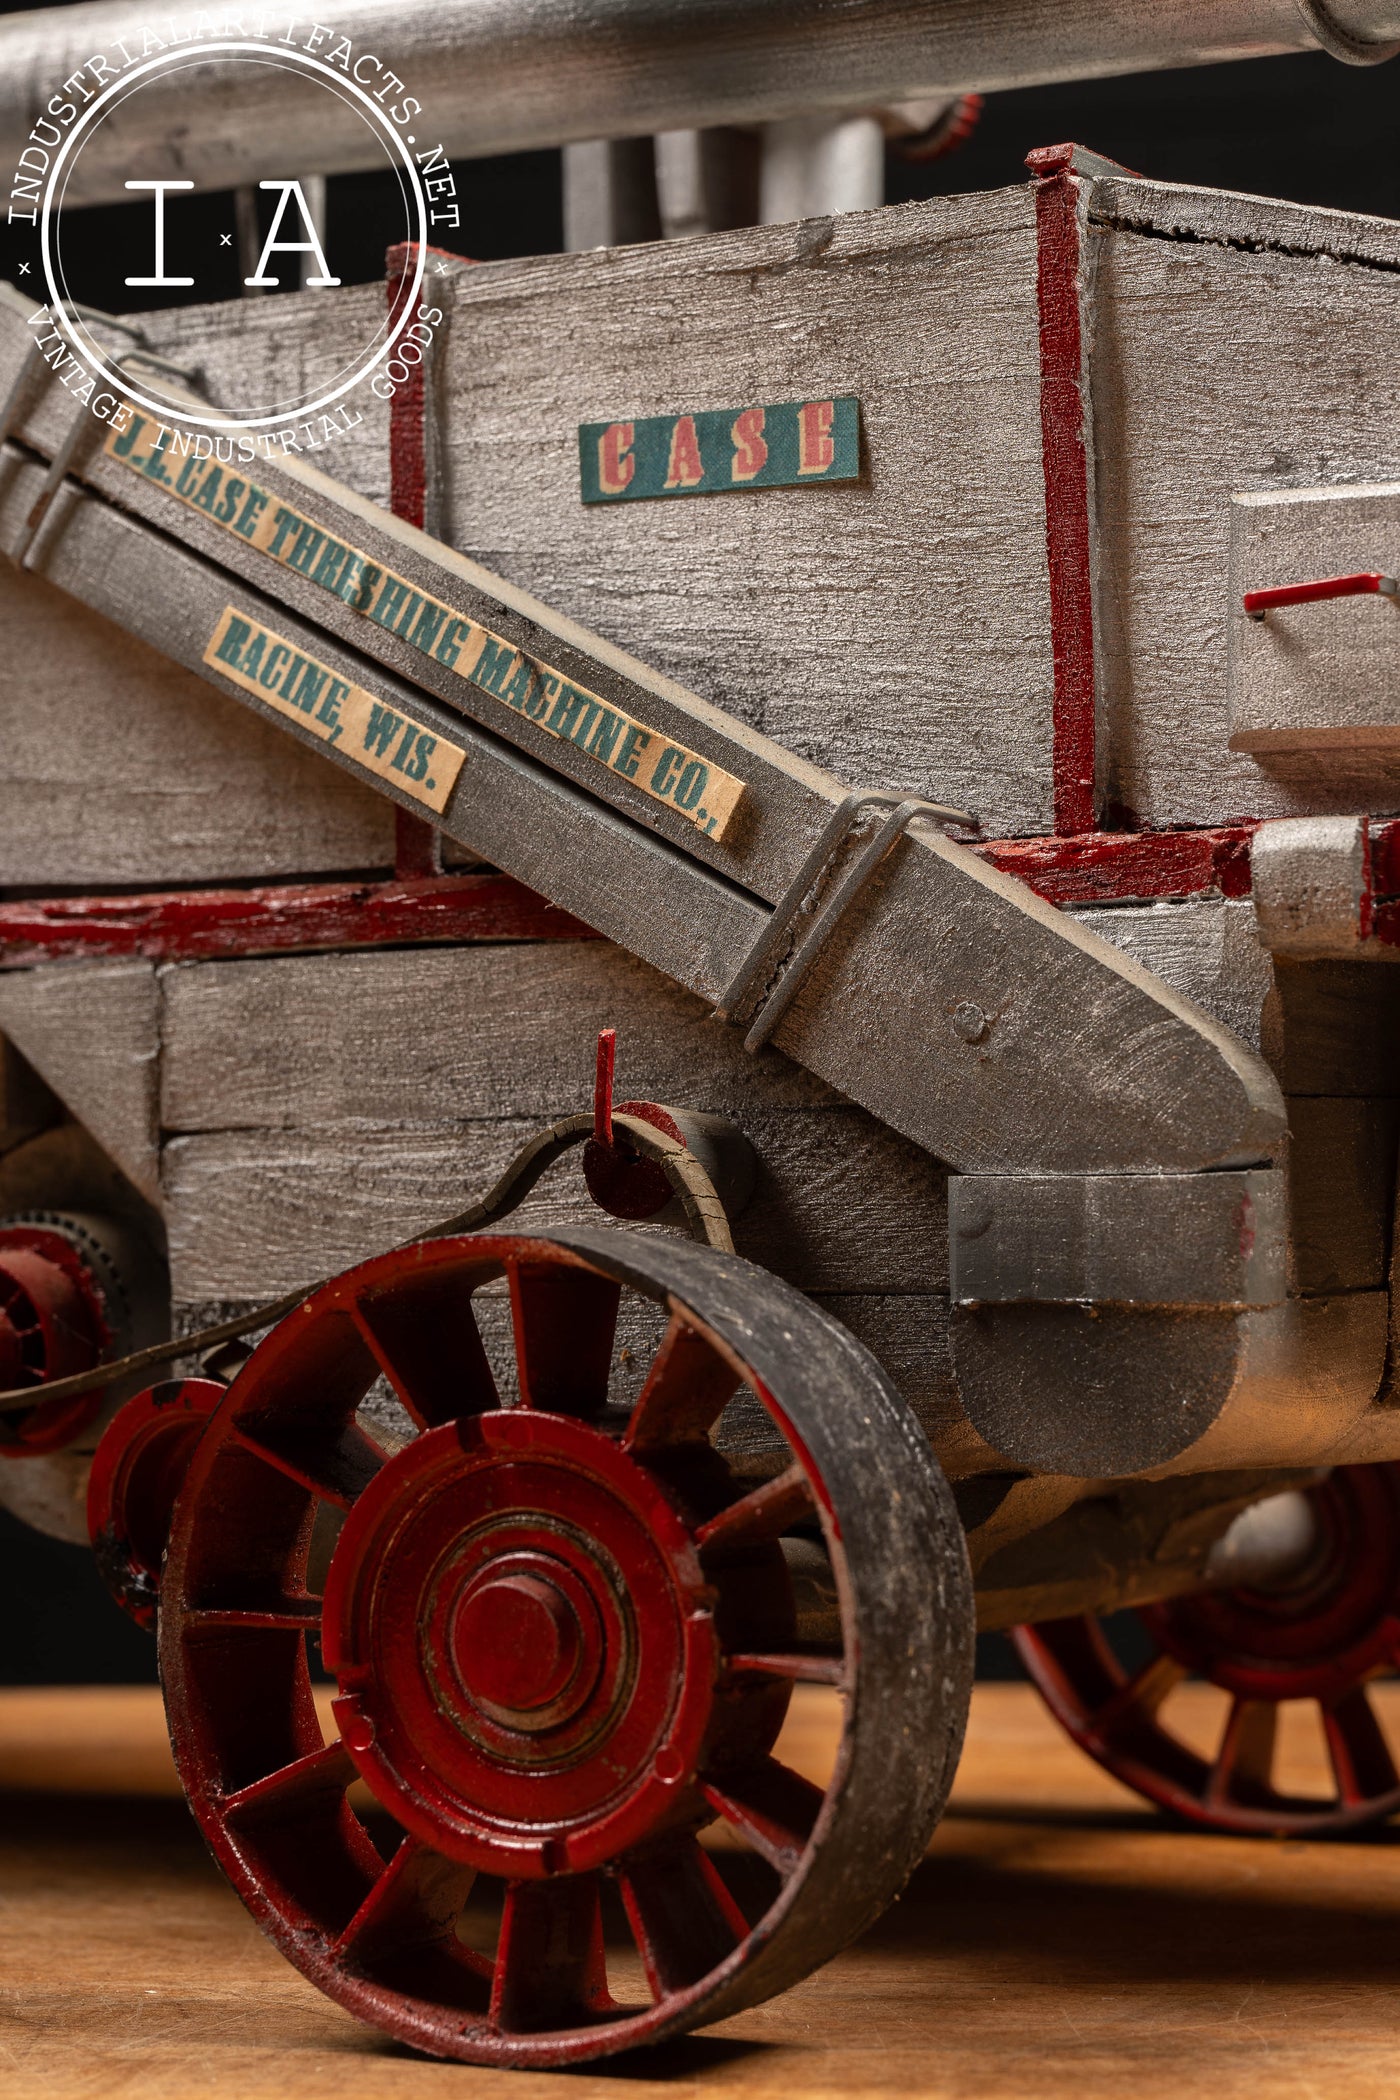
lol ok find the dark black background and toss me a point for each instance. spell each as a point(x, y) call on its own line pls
point(1303, 128)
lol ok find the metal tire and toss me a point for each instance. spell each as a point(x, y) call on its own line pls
point(271, 1795)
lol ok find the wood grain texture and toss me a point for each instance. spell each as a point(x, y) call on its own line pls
point(840, 1204)
point(1239, 346)
point(92, 1034)
point(301, 338)
point(1059, 1940)
point(1341, 1191)
point(117, 766)
point(1206, 948)
point(435, 1036)
point(1321, 677)
point(894, 630)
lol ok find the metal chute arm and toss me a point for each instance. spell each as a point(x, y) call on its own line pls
point(501, 76)
point(1080, 1060)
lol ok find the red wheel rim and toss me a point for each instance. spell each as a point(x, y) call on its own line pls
point(53, 1323)
point(1324, 1638)
point(137, 1472)
point(563, 1641)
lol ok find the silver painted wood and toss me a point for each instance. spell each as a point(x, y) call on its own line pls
point(118, 767)
point(894, 630)
point(499, 76)
point(93, 1036)
point(1294, 313)
point(1057, 1081)
point(1322, 678)
point(1342, 1159)
point(1119, 1239)
point(1311, 889)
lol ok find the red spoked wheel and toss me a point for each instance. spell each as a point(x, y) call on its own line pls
point(137, 1472)
point(54, 1321)
point(1324, 1635)
point(564, 1640)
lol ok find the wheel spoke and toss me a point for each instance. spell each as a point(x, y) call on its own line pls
point(425, 1340)
point(335, 1464)
point(414, 1904)
point(803, 1666)
point(1360, 1756)
point(564, 1320)
point(295, 1790)
point(765, 1514)
point(683, 1918)
point(550, 1969)
point(772, 1807)
point(1140, 1699)
point(1244, 1763)
point(685, 1391)
point(292, 1614)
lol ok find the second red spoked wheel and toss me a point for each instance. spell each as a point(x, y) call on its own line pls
point(564, 1640)
point(1323, 1635)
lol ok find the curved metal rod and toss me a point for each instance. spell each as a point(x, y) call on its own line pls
point(704, 1214)
point(500, 76)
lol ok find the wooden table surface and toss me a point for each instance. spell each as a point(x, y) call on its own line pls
point(1057, 1942)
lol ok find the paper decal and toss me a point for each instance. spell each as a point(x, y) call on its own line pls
point(711, 449)
point(704, 794)
point(378, 737)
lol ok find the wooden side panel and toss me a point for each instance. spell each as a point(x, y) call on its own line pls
point(118, 767)
point(93, 1037)
point(1205, 948)
point(256, 1213)
point(1238, 346)
point(231, 349)
point(317, 1109)
point(417, 1037)
point(896, 629)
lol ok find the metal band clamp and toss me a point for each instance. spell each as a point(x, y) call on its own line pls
point(746, 989)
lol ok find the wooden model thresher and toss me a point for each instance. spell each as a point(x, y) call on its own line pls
point(1057, 1143)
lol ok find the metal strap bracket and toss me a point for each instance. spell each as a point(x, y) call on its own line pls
point(754, 978)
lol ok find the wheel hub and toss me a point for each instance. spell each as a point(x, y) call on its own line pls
point(518, 1644)
point(524, 1645)
point(1320, 1635)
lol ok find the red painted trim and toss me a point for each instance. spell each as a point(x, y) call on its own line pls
point(198, 925)
point(1113, 867)
point(1360, 585)
point(1065, 465)
point(1101, 867)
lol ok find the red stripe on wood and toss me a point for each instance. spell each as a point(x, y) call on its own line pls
point(1114, 867)
point(1066, 470)
point(201, 925)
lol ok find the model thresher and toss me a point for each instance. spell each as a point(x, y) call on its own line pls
point(928, 679)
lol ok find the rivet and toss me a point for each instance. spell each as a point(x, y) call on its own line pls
point(969, 1021)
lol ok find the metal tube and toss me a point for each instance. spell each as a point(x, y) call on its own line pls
point(498, 76)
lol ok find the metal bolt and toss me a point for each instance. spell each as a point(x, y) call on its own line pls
point(970, 1022)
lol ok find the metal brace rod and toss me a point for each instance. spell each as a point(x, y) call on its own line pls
point(762, 959)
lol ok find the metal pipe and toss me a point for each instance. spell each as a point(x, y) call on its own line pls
point(499, 76)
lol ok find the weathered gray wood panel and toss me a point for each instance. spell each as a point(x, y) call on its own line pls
point(431, 1036)
point(1342, 1191)
point(233, 347)
point(93, 1036)
point(256, 1213)
point(117, 766)
point(1206, 948)
point(894, 630)
point(1238, 345)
